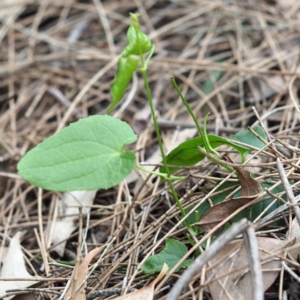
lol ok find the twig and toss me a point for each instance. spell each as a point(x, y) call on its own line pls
point(31, 291)
point(107, 293)
point(167, 124)
point(41, 232)
point(84, 90)
point(290, 271)
point(288, 189)
point(292, 93)
point(262, 223)
point(106, 26)
point(254, 262)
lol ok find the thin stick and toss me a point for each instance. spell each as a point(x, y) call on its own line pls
point(30, 291)
point(106, 26)
point(290, 271)
point(254, 262)
point(288, 189)
point(41, 232)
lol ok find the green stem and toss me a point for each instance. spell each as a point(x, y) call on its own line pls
point(163, 175)
point(197, 219)
point(164, 158)
point(197, 251)
point(187, 106)
point(206, 141)
point(203, 132)
point(149, 57)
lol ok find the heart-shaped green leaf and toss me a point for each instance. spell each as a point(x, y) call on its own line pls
point(87, 155)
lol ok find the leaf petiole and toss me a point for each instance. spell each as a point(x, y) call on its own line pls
point(149, 56)
point(202, 133)
point(163, 175)
point(215, 159)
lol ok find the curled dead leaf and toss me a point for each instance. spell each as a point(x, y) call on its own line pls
point(250, 190)
point(76, 289)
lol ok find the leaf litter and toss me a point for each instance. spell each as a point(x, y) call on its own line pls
point(50, 78)
point(76, 289)
point(64, 225)
point(14, 267)
point(232, 269)
point(147, 292)
point(295, 233)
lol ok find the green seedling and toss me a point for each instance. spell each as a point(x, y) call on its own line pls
point(90, 154)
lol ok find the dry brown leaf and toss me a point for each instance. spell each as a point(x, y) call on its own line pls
point(14, 267)
point(250, 186)
point(147, 292)
point(238, 285)
point(250, 190)
point(76, 289)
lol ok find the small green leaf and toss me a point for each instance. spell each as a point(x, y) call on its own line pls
point(187, 154)
point(126, 68)
point(87, 155)
point(170, 255)
point(138, 42)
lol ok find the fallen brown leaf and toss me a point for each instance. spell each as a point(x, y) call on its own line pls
point(76, 289)
point(14, 267)
point(250, 190)
point(147, 292)
point(237, 285)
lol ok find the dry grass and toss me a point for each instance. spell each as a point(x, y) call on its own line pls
point(58, 60)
